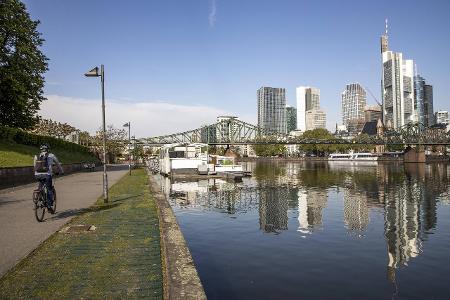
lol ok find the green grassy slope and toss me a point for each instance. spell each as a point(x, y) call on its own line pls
point(18, 155)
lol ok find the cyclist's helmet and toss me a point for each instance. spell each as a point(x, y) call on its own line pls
point(44, 148)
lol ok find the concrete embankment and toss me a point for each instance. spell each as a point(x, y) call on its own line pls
point(181, 280)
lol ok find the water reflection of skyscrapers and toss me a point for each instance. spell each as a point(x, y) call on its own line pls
point(273, 207)
point(402, 225)
point(356, 211)
point(310, 206)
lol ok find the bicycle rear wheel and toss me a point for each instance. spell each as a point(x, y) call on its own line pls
point(39, 207)
point(54, 202)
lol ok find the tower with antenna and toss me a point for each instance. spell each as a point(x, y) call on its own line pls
point(397, 86)
point(384, 38)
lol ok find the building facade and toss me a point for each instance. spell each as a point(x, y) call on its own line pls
point(372, 113)
point(428, 104)
point(353, 103)
point(423, 101)
point(291, 118)
point(308, 98)
point(272, 109)
point(442, 117)
point(315, 118)
point(397, 86)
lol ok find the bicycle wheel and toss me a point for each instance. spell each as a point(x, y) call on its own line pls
point(54, 202)
point(39, 207)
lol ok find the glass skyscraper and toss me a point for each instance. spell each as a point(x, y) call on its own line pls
point(423, 94)
point(291, 118)
point(272, 109)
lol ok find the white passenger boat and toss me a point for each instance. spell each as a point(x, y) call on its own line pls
point(353, 157)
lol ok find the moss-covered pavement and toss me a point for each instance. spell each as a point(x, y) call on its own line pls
point(119, 259)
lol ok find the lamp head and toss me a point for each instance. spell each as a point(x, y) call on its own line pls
point(92, 73)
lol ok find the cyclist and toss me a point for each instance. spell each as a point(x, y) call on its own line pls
point(43, 171)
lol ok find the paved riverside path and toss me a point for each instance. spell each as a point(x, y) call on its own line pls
point(20, 233)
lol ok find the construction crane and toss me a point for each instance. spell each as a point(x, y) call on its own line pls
point(370, 92)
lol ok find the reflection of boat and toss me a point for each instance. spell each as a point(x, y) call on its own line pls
point(353, 157)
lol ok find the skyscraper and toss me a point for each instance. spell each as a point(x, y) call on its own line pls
point(291, 118)
point(419, 83)
point(423, 100)
point(428, 105)
point(353, 103)
point(272, 109)
point(397, 86)
point(308, 98)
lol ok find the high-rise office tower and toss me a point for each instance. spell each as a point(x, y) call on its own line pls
point(428, 104)
point(397, 86)
point(308, 98)
point(419, 84)
point(272, 109)
point(353, 103)
point(291, 118)
point(423, 100)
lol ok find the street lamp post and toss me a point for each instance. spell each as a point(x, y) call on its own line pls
point(95, 73)
point(129, 145)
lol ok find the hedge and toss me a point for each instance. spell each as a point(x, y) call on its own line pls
point(22, 137)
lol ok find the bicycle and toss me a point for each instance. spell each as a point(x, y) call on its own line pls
point(40, 196)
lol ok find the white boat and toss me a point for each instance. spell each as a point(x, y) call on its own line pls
point(353, 157)
point(225, 164)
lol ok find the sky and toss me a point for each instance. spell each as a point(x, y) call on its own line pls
point(174, 65)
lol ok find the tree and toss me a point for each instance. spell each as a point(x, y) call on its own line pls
point(320, 149)
point(116, 141)
point(84, 138)
point(52, 128)
point(268, 149)
point(364, 147)
point(22, 66)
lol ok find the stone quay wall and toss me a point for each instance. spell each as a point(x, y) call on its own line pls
point(13, 176)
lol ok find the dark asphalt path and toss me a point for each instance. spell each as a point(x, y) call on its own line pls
point(20, 233)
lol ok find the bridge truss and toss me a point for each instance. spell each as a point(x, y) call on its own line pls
point(236, 132)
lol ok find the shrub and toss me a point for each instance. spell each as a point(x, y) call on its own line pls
point(22, 137)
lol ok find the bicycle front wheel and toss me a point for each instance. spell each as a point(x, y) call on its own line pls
point(39, 207)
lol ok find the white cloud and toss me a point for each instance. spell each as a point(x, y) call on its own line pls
point(212, 13)
point(147, 118)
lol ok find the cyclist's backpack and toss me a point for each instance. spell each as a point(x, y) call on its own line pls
point(41, 165)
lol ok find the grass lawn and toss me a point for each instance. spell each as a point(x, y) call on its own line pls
point(119, 260)
point(18, 155)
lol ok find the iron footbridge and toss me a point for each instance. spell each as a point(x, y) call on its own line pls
point(236, 132)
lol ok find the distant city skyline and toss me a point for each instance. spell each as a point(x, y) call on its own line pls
point(161, 56)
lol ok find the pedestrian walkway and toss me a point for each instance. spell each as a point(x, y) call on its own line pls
point(119, 259)
point(20, 233)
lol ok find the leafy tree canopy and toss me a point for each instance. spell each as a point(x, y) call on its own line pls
point(52, 128)
point(320, 149)
point(22, 66)
point(269, 149)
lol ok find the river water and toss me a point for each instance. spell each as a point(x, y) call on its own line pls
point(320, 230)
